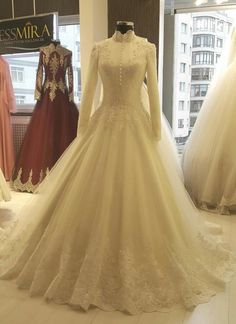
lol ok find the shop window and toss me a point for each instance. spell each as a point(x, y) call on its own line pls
point(24, 66)
point(17, 74)
point(182, 86)
point(182, 67)
point(62, 29)
point(180, 123)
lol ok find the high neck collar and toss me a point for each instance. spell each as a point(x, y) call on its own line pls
point(127, 37)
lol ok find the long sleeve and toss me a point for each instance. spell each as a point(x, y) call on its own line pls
point(70, 78)
point(153, 94)
point(89, 91)
point(39, 78)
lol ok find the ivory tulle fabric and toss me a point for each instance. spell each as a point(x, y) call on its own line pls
point(112, 224)
point(7, 105)
point(4, 189)
point(209, 162)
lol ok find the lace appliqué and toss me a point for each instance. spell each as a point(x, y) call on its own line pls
point(117, 117)
point(28, 186)
point(61, 59)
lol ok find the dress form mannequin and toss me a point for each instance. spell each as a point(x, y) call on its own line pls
point(124, 26)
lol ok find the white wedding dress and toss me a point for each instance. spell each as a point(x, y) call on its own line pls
point(112, 224)
point(209, 162)
point(4, 189)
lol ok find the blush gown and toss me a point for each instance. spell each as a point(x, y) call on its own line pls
point(53, 125)
point(7, 105)
point(4, 189)
point(112, 224)
point(209, 162)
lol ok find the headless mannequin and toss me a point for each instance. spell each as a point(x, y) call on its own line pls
point(55, 42)
point(124, 26)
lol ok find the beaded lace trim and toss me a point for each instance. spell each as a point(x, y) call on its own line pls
point(28, 186)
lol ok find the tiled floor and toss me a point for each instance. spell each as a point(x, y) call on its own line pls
point(16, 307)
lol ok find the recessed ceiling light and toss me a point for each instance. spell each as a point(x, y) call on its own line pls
point(200, 2)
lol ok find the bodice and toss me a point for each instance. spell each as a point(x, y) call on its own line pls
point(55, 61)
point(122, 67)
point(123, 62)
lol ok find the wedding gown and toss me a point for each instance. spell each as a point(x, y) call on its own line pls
point(112, 225)
point(4, 189)
point(209, 162)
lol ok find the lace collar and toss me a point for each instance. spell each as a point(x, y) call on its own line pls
point(127, 37)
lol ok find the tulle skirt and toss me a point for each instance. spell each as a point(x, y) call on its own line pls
point(209, 162)
point(112, 226)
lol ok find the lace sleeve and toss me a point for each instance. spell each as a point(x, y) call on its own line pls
point(89, 91)
point(153, 94)
point(70, 78)
point(39, 78)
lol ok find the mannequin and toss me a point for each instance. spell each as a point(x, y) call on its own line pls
point(124, 26)
point(55, 42)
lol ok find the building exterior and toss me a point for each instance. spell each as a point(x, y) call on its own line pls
point(182, 76)
point(210, 33)
point(199, 41)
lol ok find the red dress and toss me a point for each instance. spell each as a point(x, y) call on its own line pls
point(7, 105)
point(53, 125)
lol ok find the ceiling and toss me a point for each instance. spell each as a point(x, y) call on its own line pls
point(182, 4)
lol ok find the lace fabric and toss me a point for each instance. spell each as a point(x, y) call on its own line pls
point(55, 61)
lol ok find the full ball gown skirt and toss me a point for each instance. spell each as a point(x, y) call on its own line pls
point(4, 189)
point(112, 225)
point(7, 106)
point(209, 162)
point(53, 125)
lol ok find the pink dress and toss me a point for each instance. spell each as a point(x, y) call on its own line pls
point(7, 105)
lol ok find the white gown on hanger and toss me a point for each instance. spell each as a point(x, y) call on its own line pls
point(4, 189)
point(209, 161)
point(112, 224)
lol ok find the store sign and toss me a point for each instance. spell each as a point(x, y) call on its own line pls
point(26, 34)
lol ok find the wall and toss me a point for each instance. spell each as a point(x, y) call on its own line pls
point(144, 14)
point(26, 7)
